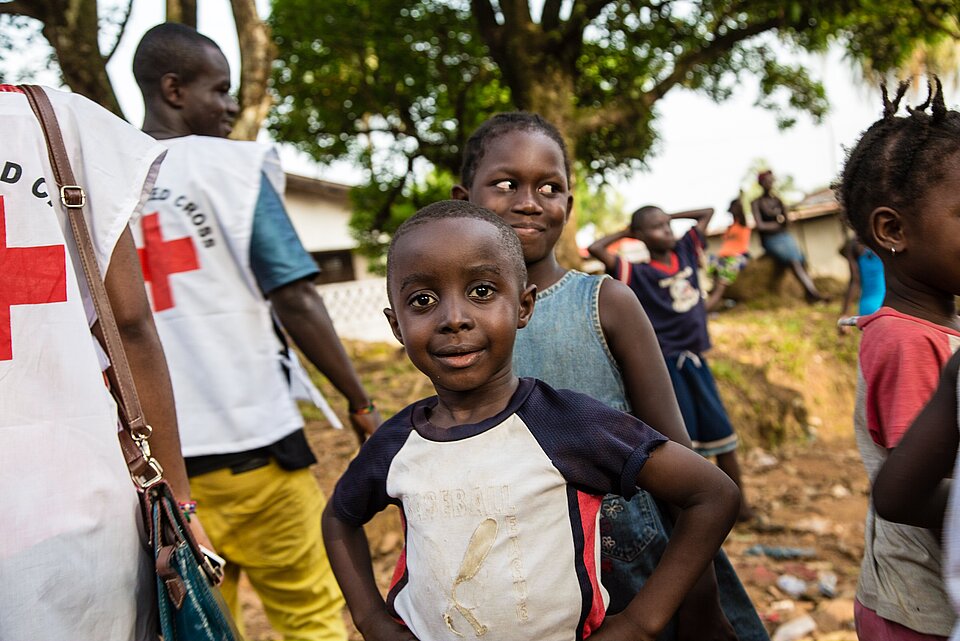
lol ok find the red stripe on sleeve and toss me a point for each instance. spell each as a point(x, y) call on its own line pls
point(589, 506)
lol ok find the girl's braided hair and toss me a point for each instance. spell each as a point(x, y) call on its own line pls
point(897, 158)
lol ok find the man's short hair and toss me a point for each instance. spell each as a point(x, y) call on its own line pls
point(169, 48)
point(509, 241)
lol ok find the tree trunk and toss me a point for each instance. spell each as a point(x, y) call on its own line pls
point(182, 11)
point(550, 94)
point(257, 53)
point(71, 28)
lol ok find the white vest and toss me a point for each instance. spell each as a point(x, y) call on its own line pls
point(217, 330)
point(71, 562)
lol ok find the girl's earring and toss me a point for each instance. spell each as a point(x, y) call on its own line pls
point(893, 251)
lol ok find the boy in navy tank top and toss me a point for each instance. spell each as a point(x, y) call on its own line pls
point(500, 479)
point(669, 290)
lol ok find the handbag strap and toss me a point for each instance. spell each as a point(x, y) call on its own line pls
point(144, 469)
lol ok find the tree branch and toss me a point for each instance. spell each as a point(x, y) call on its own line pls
point(20, 8)
point(550, 16)
point(123, 27)
point(691, 59)
point(623, 111)
point(490, 31)
point(582, 13)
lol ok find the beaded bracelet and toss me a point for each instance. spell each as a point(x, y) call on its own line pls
point(188, 508)
point(369, 409)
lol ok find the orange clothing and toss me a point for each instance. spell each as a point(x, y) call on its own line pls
point(736, 241)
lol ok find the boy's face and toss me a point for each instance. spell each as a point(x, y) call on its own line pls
point(457, 302)
point(654, 230)
point(522, 178)
point(208, 109)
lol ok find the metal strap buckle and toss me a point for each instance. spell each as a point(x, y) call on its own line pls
point(144, 481)
point(73, 196)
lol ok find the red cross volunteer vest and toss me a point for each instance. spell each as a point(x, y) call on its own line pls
point(71, 560)
point(216, 328)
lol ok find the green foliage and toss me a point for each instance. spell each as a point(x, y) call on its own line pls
point(373, 223)
point(597, 203)
point(392, 83)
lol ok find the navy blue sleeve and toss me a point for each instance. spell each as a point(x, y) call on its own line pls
point(277, 256)
point(595, 447)
point(362, 490)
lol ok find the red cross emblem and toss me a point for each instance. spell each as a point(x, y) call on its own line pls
point(28, 276)
point(160, 258)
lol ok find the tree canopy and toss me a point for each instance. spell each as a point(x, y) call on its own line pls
point(389, 83)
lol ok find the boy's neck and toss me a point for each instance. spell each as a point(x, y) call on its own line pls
point(661, 256)
point(545, 273)
point(476, 405)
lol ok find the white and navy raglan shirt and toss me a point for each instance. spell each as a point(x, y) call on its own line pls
point(500, 517)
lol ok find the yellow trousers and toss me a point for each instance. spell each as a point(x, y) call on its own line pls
point(266, 523)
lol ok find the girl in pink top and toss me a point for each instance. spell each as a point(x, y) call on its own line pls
point(901, 192)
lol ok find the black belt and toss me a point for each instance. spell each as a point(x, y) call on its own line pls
point(252, 463)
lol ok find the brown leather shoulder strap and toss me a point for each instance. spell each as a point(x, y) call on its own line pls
point(73, 198)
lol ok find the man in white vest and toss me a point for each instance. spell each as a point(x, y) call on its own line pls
point(72, 561)
point(228, 278)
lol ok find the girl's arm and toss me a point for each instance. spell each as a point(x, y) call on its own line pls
point(708, 502)
point(349, 556)
point(761, 224)
point(599, 249)
point(910, 487)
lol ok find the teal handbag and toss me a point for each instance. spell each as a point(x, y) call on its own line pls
point(190, 605)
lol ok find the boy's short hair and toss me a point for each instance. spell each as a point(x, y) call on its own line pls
point(636, 219)
point(169, 48)
point(509, 241)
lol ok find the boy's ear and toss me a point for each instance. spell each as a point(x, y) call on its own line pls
point(569, 208)
point(459, 192)
point(171, 90)
point(886, 224)
point(528, 299)
point(394, 325)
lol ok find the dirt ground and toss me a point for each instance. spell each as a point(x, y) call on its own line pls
point(788, 383)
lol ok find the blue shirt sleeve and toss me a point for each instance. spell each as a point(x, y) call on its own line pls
point(277, 256)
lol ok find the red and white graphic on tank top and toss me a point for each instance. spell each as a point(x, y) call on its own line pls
point(28, 276)
point(161, 258)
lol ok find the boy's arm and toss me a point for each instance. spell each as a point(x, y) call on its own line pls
point(910, 487)
point(853, 285)
point(708, 502)
point(634, 346)
point(702, 216)
point(349, 556)
point(302, 313)
point(599, 249)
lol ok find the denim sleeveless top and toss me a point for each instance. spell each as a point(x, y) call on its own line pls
point(564, 344)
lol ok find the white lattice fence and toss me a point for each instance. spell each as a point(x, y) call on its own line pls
point(356, 308)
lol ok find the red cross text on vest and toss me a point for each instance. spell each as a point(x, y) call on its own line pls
point(28, 276)
point(160, 258)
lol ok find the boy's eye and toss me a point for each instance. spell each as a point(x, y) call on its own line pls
point(422, 300)
point(550, 189)
point(481, 292)
point(504, 185)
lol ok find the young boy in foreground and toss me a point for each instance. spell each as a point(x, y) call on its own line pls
point(499, 479)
